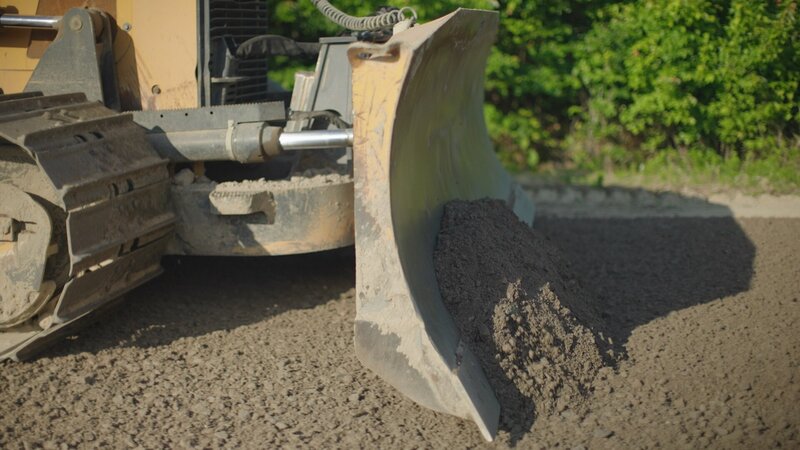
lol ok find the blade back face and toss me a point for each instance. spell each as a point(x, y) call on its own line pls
point(421, 141)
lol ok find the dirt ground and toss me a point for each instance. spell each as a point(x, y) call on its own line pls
point(257, 353)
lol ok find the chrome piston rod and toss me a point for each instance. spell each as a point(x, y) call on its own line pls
point(243, 142)
point(316, 139)
point(18, 21)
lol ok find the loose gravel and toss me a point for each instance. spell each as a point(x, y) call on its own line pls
point(702, 314)
point(519, 308)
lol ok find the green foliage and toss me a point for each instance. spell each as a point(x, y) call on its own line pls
point(530, 84)
point(300, 20)
point(678, 74)
point(637, 84)
point(701, 167)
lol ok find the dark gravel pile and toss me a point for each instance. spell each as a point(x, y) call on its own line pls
point(519, 309)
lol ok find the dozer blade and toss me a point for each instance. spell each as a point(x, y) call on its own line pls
point(421, 141)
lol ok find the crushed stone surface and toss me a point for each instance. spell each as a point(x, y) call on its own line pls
point(519, 309)
point(257, 353)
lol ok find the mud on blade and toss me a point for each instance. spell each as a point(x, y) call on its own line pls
point(421, 141)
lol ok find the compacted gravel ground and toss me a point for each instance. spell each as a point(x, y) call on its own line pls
point(703, 316)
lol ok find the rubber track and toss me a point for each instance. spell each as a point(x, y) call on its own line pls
point(114, 190)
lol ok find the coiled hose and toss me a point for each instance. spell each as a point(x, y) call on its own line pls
point(371, 23)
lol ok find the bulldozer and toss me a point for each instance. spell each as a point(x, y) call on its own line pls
point(131, 130)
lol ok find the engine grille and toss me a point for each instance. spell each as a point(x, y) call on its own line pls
point(226, 24)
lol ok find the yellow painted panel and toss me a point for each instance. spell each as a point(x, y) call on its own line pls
point(156, 58)
point(13, 81)
point(164, 43)
point(15, 66)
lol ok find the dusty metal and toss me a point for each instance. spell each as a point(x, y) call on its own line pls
point(89, 291)
point(236, 199)
point(25, 232)
point(209, 117)
point(154, 49)
point(244, 133)
point(249, 142)
point(80, 59)
point(328, 88)
point(106, 192)
point(301, 214)
point(421, 141)
point(302, 93)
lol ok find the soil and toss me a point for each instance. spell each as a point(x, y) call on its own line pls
point(520, 309)
point(223, 352)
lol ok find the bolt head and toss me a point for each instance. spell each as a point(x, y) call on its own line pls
point(126, 26)
point(8, 228)
point(75, 23)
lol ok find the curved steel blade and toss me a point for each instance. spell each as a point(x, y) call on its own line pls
point(421, 141)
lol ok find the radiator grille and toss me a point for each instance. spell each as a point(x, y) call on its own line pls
point(227, 24)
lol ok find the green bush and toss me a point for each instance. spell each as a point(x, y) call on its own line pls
point(605, 83)
point(719, 76)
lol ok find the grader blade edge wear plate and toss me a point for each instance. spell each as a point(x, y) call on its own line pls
point(421, 141)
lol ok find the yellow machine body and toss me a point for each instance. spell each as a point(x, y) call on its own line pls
point(155, 44)
point(417, 140)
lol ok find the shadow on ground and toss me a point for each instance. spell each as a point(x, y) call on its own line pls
point(200, 295)
point(637, 255)
point(635, 269)
point(638, 268)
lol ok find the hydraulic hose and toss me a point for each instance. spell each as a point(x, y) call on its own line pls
point(370, 23)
